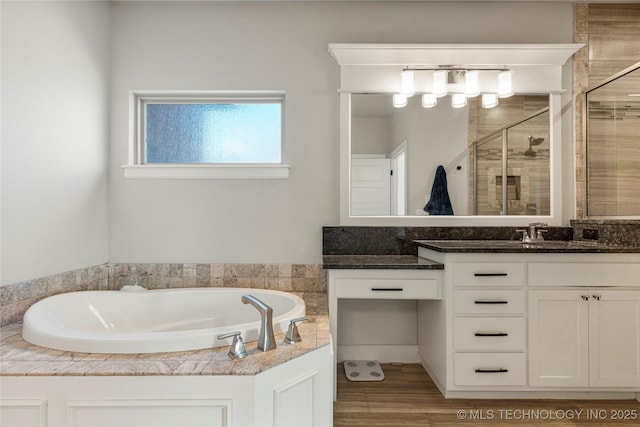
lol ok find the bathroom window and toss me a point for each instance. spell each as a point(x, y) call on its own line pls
point(207, 135)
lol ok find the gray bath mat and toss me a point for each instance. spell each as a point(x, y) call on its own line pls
point(363, 370)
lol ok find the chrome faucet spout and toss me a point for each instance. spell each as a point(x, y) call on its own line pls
point(266, 339)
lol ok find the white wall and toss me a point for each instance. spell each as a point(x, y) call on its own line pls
point(55, 78)
point(371, 135)
point(280, 45)
point(435, 136)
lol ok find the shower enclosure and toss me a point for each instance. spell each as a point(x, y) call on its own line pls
point(512, 168)
point(613, 146)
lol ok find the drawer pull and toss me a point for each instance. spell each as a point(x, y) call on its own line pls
point(489, 274)
point(490, 302)
point(387, 289)
point(491, 371)
point(491, 334)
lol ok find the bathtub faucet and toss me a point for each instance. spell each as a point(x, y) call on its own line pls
point(266, 340)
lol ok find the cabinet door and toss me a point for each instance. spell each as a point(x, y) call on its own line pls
point(558, 338)
point(614, 338)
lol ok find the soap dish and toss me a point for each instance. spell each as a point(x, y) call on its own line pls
point(363, 370)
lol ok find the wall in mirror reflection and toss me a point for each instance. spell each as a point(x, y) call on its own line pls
point(473, 144)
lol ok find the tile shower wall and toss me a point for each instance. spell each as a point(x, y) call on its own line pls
point(611, 35)
point(15, 298)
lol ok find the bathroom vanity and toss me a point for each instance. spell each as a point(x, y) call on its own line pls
point(505, 319)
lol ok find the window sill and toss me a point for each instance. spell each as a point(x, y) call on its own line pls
point(180, 171)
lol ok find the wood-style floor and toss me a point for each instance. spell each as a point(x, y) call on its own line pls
point(408, 397)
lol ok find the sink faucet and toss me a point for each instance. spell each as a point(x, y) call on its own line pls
point(266, 339)
point(534, 233)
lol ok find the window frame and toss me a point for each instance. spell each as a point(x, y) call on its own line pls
point(137, 168)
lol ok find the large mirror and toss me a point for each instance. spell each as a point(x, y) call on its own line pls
point(613, 146)
point(445, 161)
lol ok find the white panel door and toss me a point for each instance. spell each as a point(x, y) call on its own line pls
point(558, 338)
point(614, 338)
point(370, 187)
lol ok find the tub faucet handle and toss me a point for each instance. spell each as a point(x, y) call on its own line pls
point(237, 349)
point(293, 336)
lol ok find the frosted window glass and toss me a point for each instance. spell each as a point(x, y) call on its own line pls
point(213, 133)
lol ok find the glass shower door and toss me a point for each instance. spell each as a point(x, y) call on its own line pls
point(512, 169)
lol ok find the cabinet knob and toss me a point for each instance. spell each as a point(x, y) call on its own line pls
point(597, 297)
point(585, 297)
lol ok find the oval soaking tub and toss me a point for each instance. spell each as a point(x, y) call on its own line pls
point(152, 321)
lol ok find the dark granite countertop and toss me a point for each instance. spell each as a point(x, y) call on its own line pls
point(515, 246)
point(388, 262)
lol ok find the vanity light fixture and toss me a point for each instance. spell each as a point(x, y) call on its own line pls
point(489, 100)
point(399, 100)
point(458, 100)
point(471, 84)
point(429, 100)
point(463, 83)
point(505, 87)
point(440, 78)
point(406, 83)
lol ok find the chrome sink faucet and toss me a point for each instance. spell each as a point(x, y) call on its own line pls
point(266, 339)
point(534, 233)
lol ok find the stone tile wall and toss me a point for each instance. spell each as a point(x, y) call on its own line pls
point(280, 277)
point(15, 298)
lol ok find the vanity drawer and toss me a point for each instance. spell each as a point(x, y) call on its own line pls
point(506, 369)
point(388, 288)
point(488, 274)
point(489, 333)
point(489, 301)
point(583, 274)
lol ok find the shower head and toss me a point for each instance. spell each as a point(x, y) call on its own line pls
point(533, 141)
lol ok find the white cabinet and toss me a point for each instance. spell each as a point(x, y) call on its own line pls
point(517, 325)
point(488, 324)
point(586, 337)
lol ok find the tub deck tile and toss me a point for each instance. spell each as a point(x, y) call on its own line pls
point(20, 358)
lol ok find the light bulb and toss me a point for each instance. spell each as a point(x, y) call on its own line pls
point(489, 100)
point(429, 100)
point(399, 100)
point(505, 87)
point(440, 83)
point(406, 83)
point(471, 84)
point(458, 100)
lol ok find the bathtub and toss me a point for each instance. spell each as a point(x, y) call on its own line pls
point(152, 321)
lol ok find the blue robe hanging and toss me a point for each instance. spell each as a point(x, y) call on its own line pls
point(439, 203)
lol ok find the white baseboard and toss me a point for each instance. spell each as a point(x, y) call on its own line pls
point(381, 353)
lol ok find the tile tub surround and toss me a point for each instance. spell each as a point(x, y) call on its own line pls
point(19, 358)
point(16, 298)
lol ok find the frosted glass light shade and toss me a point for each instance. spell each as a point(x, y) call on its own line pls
point(406, 83)
point(471, 84)
point(505, 87)
point(458, 100)
point(429, 100)
point(399, 100)
point(489, 100)
point(440, 83)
